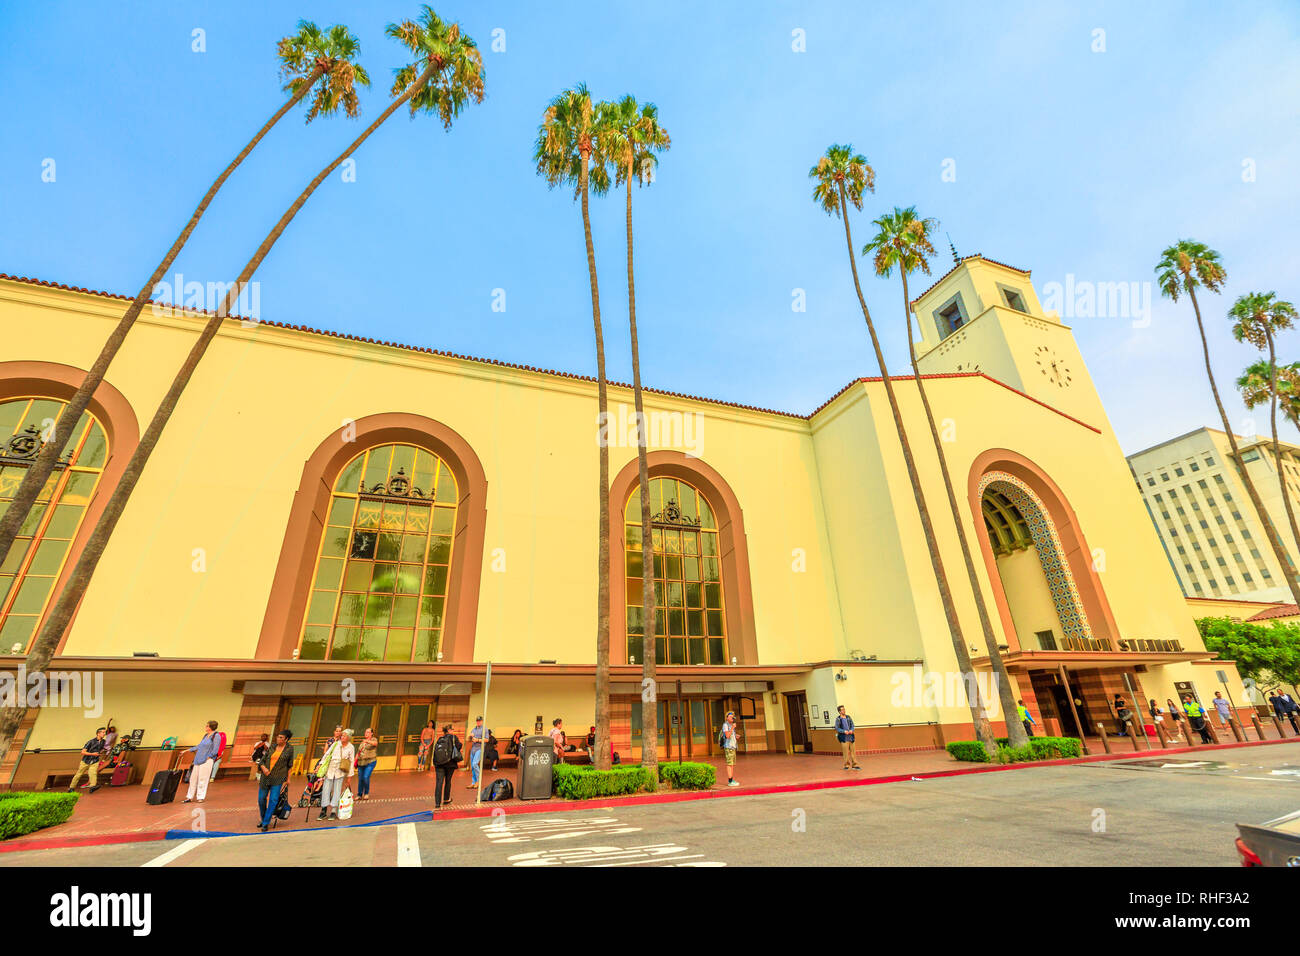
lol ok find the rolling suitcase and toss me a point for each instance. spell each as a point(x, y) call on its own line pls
point(163, 788)
point(123, 774)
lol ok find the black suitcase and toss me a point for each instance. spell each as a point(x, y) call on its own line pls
point(163, 788)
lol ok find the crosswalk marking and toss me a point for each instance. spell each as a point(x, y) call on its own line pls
point(175, 852)
point(408, 845)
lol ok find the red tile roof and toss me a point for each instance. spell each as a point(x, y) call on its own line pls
point(1282, 610)
point(559, 374)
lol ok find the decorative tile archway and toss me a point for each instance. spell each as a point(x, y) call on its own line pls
point(1060, 579)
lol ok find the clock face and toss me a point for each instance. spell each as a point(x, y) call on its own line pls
point(1052, 366)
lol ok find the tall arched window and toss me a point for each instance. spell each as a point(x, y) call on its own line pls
point(41, 548)
point(380, 585)
point(689, 619)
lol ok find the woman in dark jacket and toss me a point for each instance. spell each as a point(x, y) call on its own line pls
point(273, 777)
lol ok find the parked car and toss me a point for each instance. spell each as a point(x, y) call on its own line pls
point(1275, 843)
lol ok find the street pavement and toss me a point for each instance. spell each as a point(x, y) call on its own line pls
point(1147, 812)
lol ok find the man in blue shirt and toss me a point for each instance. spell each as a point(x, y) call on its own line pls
point(844, 734)
point(477, 737)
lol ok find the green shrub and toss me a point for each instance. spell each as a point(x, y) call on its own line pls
point(585, 782)
point(971, 750)
point(1038, 748)
point(688, 776)
point(22, 812)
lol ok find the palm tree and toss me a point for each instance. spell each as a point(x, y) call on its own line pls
point(903, 242)
point(841, 175)
point(1262, 382)
point(1184, 267)
point(631, 136)
point(310, 55)
point(1259, 317)
point(450, 72)
point(567, 151)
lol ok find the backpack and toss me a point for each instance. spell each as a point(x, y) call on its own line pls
point(614, 757)
point(445, 751)
point(501, 789)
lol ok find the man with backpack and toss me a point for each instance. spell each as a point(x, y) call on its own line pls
point(446, 755)
point(727, 739)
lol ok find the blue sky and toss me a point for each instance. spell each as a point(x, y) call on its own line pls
point(1068, 161)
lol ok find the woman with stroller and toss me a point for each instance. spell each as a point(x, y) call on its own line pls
point(336, 766)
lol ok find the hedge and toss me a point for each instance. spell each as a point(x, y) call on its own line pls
point(688, 776)
point(22, 812)
point(1039, 748)
point(585, 782)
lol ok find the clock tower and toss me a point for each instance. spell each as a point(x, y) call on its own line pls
point(984, 316)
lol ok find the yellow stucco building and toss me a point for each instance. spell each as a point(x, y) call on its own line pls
point(340, 530)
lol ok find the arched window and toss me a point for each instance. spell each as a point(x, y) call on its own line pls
point(689, 616)
point(41, 548)
point(380, 585)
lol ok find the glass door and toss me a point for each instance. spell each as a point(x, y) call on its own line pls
point(417, 718)
point(298, 720)
point(388, 728)
point(699, 727)
point(328, 716)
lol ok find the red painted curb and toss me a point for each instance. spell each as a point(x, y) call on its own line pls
point(55, 843)
point(553, 806)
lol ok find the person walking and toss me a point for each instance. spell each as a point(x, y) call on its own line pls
point(1025, 717)
point(1282, 711)
point(336, 766)
point(1196, 717)
point(1292, 708)
point(446, 755)
point(205, 753)
point(728, 740)
point(272, 776)
point(477, 738)
point(88, 766)
point(844, 734)
point(427, 736)
point(1222, 707)
point(367, 758)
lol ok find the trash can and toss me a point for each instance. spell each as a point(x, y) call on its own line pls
point(536, 755)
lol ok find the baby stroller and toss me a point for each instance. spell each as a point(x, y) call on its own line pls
point(311, 793)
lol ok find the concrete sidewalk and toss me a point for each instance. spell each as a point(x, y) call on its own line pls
point(121, 814)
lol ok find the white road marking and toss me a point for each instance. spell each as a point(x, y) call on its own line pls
point(408, 845)
point(175, 852)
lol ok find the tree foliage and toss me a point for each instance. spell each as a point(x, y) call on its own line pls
point(1268, 654)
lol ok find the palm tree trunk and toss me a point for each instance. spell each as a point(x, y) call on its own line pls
point(39, 471)
point(1274, 539)
point(1277, 446)
point(61, 614)
point(983, 731)
point(649, 649)
point(602, 587)
point(1016, 735)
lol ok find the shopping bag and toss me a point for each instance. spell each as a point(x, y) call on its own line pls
point(345, 805)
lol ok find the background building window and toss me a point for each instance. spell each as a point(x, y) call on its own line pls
point(41, 549)
point(689, 619)
point(380, 586)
